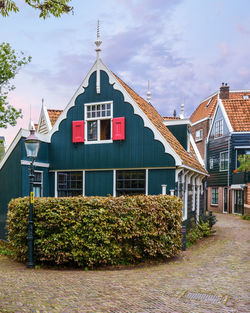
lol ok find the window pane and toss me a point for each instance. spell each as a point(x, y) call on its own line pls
point(105, 130)
point(92, 130)
point(38, 177)
point(130, 182)
point(37, 190)
point(72, 185)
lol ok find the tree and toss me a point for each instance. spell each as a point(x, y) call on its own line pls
point(10, 63)
point(46, 7)
point(2, 148)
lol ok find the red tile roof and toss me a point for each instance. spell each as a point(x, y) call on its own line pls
point(206, 108)
point(53, 115)
point(189, 159)
point(167, 118)
point(238, 112)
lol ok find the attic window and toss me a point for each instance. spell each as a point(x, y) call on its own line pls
point(245, 97)
point(98, 122)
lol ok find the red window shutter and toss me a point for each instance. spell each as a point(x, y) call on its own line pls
point(119, 128)
point(78, 131)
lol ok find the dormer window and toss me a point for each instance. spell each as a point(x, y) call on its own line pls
point(98, 117)
point(199, 135)
point(245, 97)
point(218, 128)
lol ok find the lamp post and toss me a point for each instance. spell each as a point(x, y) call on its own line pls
point(32, 144)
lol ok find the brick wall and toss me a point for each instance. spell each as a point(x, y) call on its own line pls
point(247, 205)
point(201, 144)
point(215, 208)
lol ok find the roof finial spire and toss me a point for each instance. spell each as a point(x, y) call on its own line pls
point(182, 110)
point(98, 41)
point(42, 102)
point(31, 123)
point(148, 92)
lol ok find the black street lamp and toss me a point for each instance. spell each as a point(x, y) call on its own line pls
point(32, 144)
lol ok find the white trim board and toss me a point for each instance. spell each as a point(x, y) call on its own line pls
point(196, 150)
point(200, 121)
point(21, 133)
point(111, 169)
point(39, 164)
point(176, 122)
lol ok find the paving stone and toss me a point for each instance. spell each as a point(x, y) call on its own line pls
point(218, 266)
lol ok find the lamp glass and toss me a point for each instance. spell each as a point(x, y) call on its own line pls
point(32, 149)
point(32, 144)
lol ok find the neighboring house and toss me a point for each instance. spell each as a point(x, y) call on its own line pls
point(107, 141)
point(229, 137)
point(201, 122)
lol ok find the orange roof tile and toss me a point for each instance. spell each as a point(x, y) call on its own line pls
point(238, 112)
point(166, 118)
point(207, 107)
point(53, 115)
point(187, 158)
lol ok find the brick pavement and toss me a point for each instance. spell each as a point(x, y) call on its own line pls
point(218, 265)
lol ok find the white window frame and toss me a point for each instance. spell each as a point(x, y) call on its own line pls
point(214, 188)
point(39, 183)
point(199, 135)
point(225, 169)
point(98, 119)
point(211, 163)
point(218, 134)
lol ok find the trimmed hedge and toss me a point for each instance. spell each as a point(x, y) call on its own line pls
point(94, 231)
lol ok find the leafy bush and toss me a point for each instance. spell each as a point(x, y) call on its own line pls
point(202, 229)
point(210, 219)
point(94, 231)
point(246, 217)
point(5, 248)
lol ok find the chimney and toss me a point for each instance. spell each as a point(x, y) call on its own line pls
point(224, 91)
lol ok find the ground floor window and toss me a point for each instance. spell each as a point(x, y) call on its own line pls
point(130, 182)
point(214, 196)
point(38, 184)
point(69, 184)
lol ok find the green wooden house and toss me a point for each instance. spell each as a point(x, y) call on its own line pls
point(107, 141)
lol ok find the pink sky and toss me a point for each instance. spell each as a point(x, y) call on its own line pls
point(186, 48)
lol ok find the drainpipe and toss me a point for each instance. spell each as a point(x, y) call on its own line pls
point(228, 174)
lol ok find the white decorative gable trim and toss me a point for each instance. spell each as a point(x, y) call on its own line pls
point(113, 81)
point(225, 116)
point(224, 113)
point(196, 150)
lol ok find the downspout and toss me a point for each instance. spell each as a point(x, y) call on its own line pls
point(228, 173)
point(205, 182)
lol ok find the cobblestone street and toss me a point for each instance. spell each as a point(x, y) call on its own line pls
point(217, 266)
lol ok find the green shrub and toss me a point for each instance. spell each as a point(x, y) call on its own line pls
point(94, 231)
point(246, 217)
point(210, 219)
point(197, 232)
point(5, 248)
